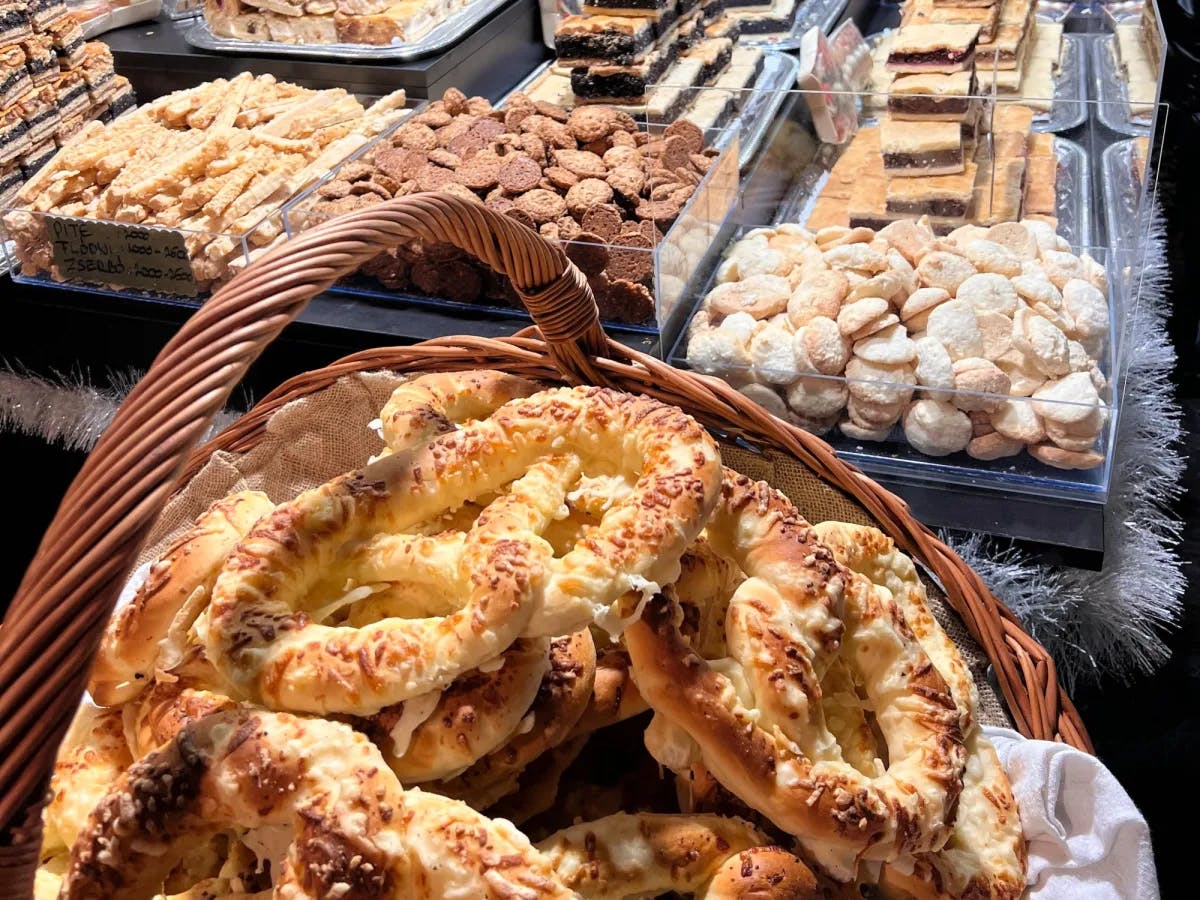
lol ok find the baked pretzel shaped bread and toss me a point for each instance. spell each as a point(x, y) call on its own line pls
point(176, 589)
point(985, 855)
point(756, 716)
point(262, 632)
point(354, 831)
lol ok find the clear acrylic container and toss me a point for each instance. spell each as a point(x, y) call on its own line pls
point(668, 270)
point(1055, 443)
point(211, 257)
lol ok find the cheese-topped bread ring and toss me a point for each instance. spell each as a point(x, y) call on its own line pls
point(440, 734)
point(431, 405)
point(177, 586)
point(872, 553)
point(264, 630)
point(261, 629)
point(565, 693)
point(615, 697)
point(246, 770)
point(647, 854)
point(986, 857)
point(756, 718)
point(92, 756)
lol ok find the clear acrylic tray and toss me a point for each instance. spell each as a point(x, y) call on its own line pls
point(440, 38)
point(755, 107)
point(1109, 86)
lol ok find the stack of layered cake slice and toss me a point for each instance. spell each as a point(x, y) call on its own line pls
point(1016, 53)
point(648, 56)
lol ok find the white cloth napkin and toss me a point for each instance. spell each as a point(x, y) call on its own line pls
point(1086, 837)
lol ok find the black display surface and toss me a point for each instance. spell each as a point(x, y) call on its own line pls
point(157, 59)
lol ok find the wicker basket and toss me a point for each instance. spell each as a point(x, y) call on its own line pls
point(52, 628)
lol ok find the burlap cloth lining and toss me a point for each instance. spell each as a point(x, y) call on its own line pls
point(312, 440)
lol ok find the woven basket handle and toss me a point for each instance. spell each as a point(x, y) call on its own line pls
point(53, 626)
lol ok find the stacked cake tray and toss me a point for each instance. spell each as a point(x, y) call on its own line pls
point(750, 90)
point(440, 27)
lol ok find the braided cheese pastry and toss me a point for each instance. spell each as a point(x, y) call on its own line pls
point(262, 631)
point(176, 587)
point(756, 718)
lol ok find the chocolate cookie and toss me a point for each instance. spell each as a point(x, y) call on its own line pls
point(520, 174)
point(628, 302)
point(589, 252)
point(604, 220)
point(432, 178)
point(478, 174)
point(561, 178)
point(689, 132)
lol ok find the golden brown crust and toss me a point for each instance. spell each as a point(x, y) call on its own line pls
point(430, 405)
point(779, 757)
point(261, 633)
point(565, 693)
point(129, 648)
point(764, 873)
point(625, 855)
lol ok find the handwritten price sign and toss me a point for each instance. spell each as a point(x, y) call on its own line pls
point(135, 256)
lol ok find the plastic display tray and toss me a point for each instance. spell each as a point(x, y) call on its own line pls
point(440, 38)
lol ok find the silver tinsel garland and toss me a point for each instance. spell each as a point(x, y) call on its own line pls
point(1110, 623)
point(1094, 623)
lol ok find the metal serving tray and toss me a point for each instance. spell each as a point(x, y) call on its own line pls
point(1109, 87)
point(764, 97)
point(442, 37)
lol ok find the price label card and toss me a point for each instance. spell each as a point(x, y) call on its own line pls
point(135, 256)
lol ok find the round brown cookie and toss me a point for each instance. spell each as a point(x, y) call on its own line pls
point(551, 110)
point(676, 153)
point(628, 302)
point(434, 118)
point(588, 193)
point(433, 178)
point(583, 163)
point(520, 174)
point(664, 191)
point(650, 230)
point(427, 277)
point(362, 188)
point(589, 252)
point(627, 181)
point(591, 123)
point(549, 230)
point(701, 163)
point(415, 137)
point(604, 220)
point(623, 139)
point(488, 129)
point(535, 147)
point(555, 134)
point(561, 178)
point(542, 205)
point(631, 258)
point(688, 132)
point(499, 204)
point(459, 126)
point(480, 106)
point(478, 174)
point(399, 163)
point(569, 228)
point(334, 190)
point(455, 101)
point(660, 211)
point(466, 144)
point(515, 115)
point(598, 147)
point(444, 157)
point(461, 190)
point(461, 281)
